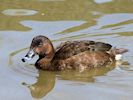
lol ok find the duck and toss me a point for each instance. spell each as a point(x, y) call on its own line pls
point(82, 54)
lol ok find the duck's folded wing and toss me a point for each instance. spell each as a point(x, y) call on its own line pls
point(70, 48)
point(100, 46)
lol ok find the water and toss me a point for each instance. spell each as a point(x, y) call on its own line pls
point(101, 20)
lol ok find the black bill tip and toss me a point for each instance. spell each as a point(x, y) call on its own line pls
point(23, 60)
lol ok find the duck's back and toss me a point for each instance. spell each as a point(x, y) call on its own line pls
point(71, 48)
point(80, 54)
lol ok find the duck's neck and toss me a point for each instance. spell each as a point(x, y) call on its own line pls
point(49, 53)
point(44, 61)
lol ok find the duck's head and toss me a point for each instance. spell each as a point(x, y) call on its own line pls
point(41, 46)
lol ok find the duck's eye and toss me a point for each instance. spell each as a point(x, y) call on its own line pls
point(40, 44)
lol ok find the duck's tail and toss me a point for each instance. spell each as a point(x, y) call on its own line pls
point(117, 52)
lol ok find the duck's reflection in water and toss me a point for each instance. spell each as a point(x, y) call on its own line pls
point(45, 83)
point(46, 80)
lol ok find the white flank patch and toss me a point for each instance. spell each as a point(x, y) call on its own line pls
point(118, 57)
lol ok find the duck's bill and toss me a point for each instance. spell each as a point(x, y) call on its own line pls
point(28, 56)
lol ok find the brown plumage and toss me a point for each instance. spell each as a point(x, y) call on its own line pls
point(71, 54)
point(70, 48)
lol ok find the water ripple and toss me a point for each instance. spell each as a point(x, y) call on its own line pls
point(19, 12)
